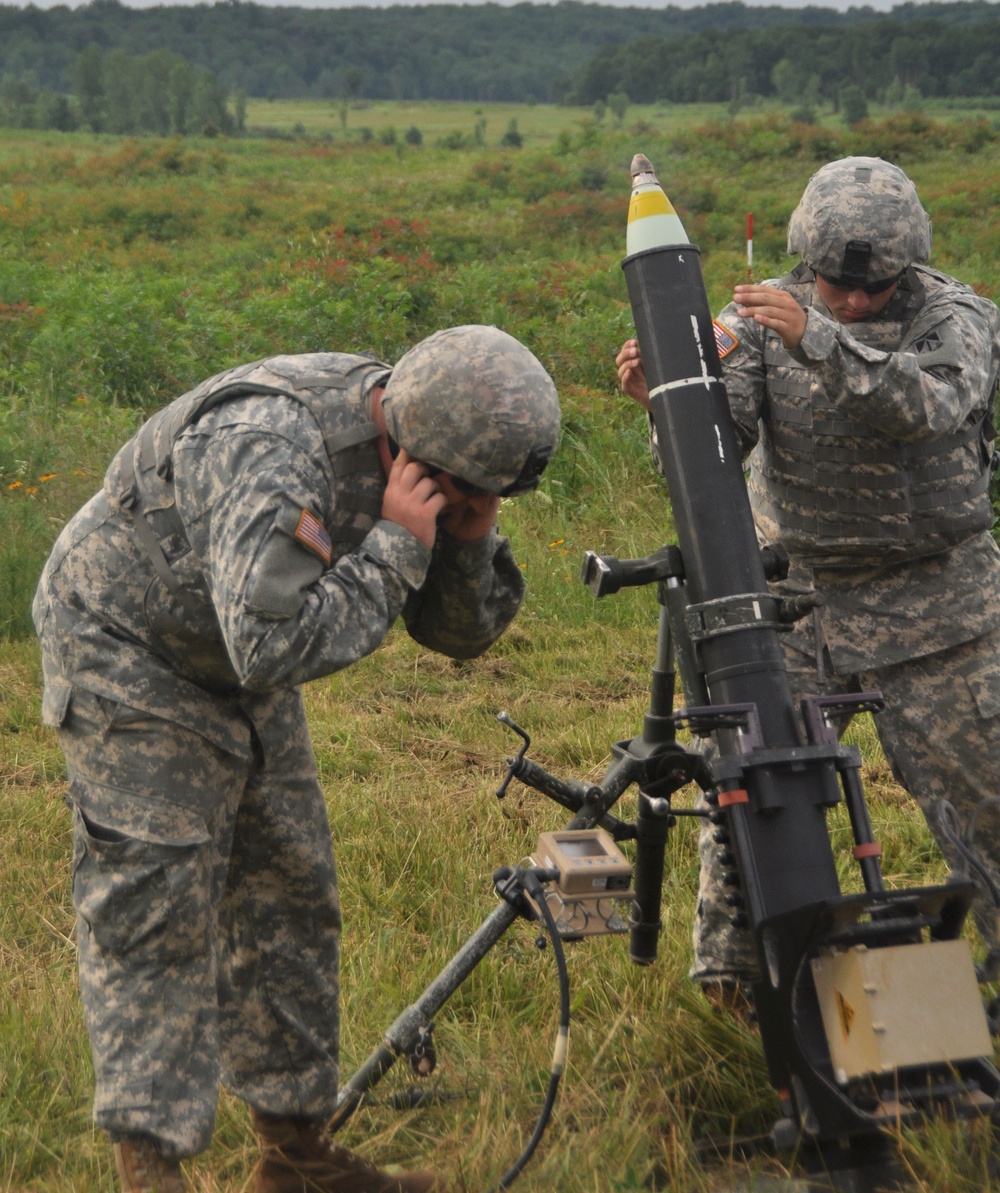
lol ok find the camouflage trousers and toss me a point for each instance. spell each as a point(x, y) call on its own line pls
point(208, 919)
point(940, 733)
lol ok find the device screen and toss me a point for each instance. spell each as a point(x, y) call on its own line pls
point(590, 847)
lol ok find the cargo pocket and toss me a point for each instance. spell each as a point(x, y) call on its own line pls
point(144, 903)
point(55, 702)
point(983, 680)
point(143, 931)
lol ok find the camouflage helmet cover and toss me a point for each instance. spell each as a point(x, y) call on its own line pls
point(474, 402)
point(860, 220)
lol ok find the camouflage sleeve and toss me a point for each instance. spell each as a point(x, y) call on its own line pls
point(744, 374)
point(286, 616)
point(471, 595)
point(943, 372)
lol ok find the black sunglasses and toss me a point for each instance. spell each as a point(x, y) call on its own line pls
point(869, 288)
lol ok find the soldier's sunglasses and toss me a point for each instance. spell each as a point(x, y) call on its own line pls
point(869, 288)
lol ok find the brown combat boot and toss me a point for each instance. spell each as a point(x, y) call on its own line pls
point(298, 1157)
point(143, 1170)
point(733, 997)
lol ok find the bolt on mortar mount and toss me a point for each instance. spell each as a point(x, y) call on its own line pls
point(868, 1004)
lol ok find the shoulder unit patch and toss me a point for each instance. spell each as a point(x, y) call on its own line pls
point(312, 534)
point(725, 341)
point(929, 342)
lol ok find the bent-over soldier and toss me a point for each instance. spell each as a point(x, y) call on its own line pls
point(263, 530)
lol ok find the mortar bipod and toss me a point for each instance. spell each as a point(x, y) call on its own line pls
point(652, 761)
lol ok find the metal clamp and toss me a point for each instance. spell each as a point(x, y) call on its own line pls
point(731, 614)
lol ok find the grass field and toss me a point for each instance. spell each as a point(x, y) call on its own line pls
point(131, 270)
point(539, 124)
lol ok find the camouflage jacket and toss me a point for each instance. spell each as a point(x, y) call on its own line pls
point(896, 601)
point(273, 566)
point(904, 403)
point(845, 482)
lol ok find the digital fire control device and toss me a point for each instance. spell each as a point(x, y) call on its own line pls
point(594, 878)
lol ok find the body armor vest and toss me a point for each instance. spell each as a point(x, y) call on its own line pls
point(827, 485)
point(334, 388)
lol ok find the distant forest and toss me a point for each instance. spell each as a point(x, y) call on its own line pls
point(566, 52)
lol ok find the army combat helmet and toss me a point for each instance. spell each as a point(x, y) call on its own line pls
point(860, 223)
point(474, 402)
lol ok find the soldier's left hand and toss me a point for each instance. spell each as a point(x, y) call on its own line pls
point(413, 499)
point(631, 374)
point(773, 308)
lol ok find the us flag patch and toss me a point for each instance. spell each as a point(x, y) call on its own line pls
point(725, 341)
point(312, 534)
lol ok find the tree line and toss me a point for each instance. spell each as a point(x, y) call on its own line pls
point(493, 52)
point(112, 92)
point(170, 69)
point(886, 59)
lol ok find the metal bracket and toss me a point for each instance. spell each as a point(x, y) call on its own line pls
point(818, 713)
point(744, 718)
point(731, 614)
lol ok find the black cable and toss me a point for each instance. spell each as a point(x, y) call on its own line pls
point(535, 889)
point(991, 801)
point(950, 827)
point(965, 846)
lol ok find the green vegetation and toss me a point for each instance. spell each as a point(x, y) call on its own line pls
point(914, 53)
point(129, 270)
point(568, 52)
point(458, 52)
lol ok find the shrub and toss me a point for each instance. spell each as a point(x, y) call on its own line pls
point(853, 104)
point(512, 139)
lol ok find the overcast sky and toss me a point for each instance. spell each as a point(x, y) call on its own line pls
point(840, 5)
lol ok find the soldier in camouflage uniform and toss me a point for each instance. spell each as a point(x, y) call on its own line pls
point(265, 529)
point(862, 386)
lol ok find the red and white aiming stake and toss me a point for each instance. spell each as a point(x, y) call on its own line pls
point(749, 246)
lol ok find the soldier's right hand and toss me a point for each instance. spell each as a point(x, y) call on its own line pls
point(631, 374)
point(413, 499)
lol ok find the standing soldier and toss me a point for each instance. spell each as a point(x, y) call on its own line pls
point(862, 386)
point(265, 529)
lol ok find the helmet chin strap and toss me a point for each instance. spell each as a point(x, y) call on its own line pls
point(388, 448)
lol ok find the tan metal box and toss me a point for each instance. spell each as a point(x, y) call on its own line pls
point(902, 1005)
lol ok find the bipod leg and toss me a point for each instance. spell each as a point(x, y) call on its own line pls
point(405, 1031)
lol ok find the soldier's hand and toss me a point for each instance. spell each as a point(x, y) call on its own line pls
point(631, 374)
point(773, 308)
point(468, 518)
point(413, 499)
